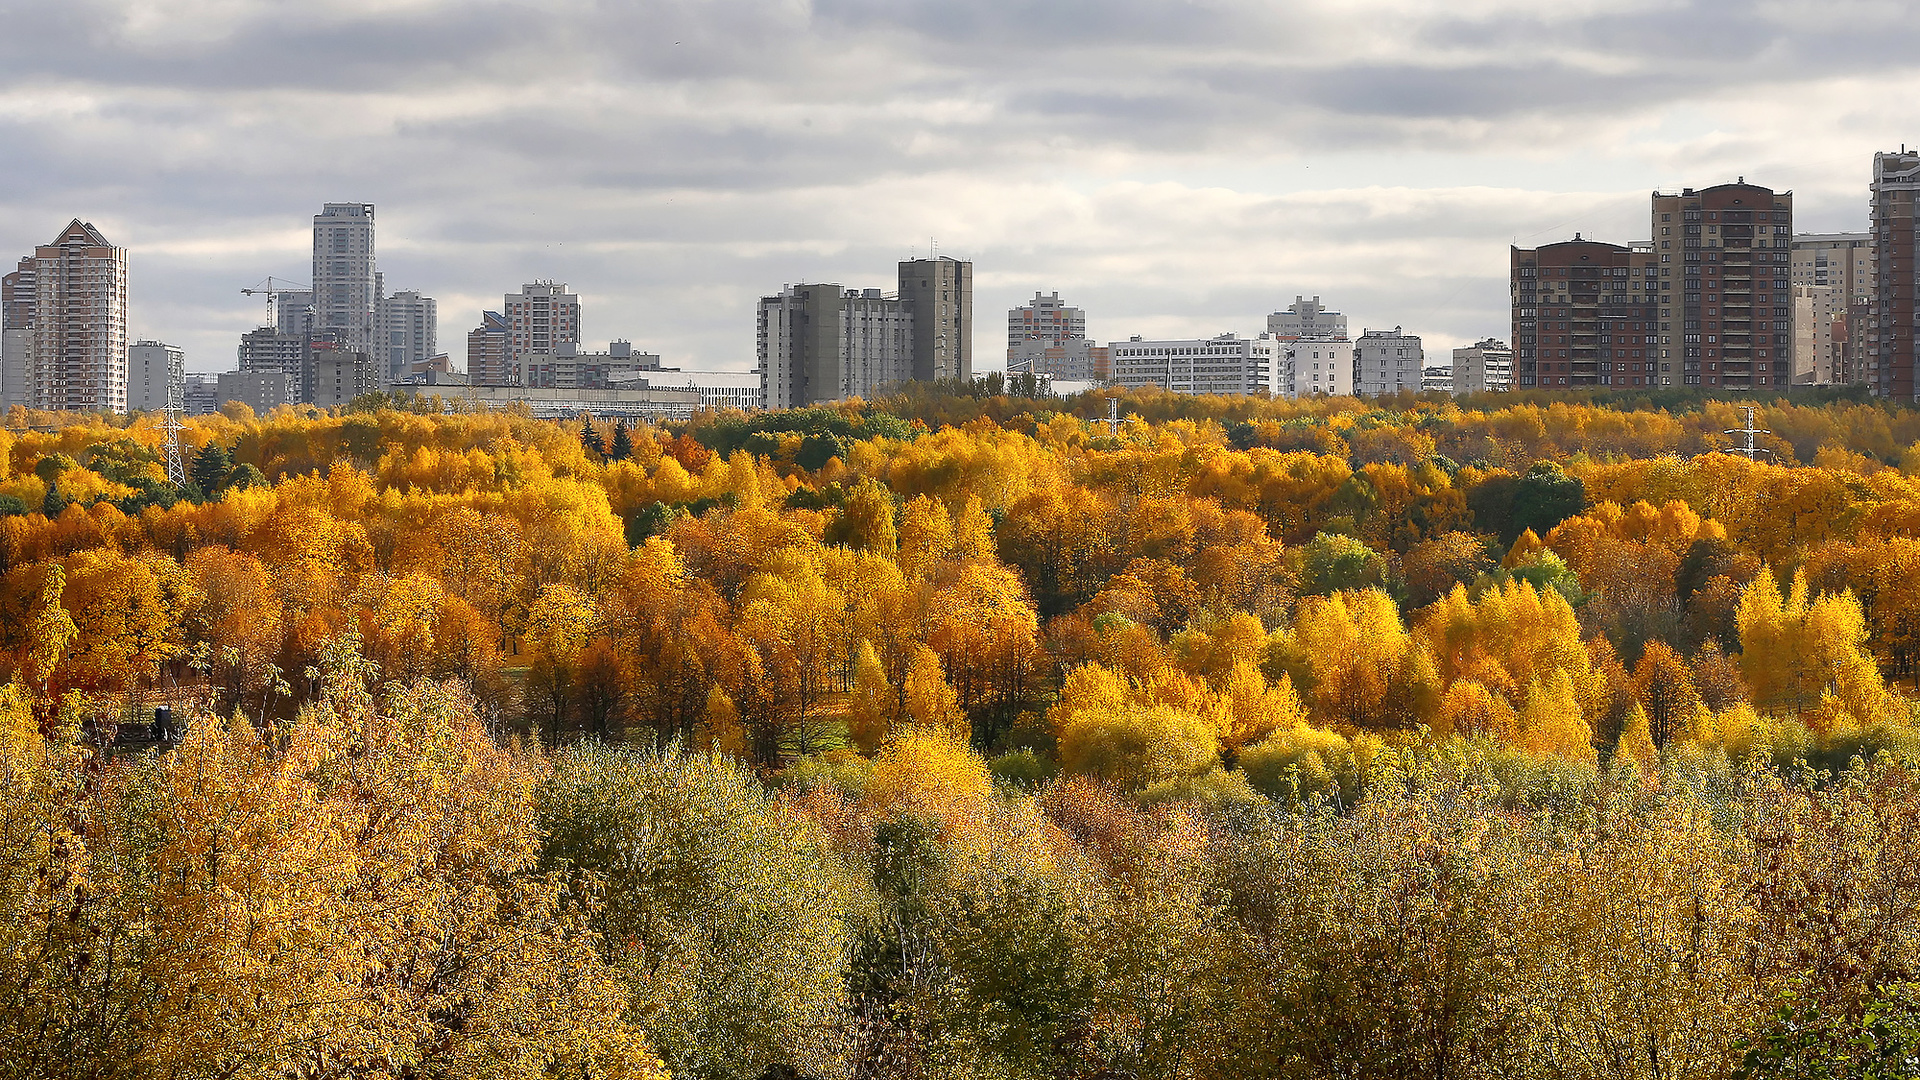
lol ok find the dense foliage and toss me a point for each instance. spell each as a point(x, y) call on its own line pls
point(954, 735)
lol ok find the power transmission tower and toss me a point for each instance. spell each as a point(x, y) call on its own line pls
point(170, 425)
point(1751, 451)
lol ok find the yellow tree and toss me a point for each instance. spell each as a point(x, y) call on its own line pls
point(930, 700)
point(870, 706)
point(1363, 669)
point(561, 623)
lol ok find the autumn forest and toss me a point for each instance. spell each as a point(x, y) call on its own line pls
point(960, 734)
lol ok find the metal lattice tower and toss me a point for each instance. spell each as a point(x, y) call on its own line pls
point(170, 425)
point(1751, 451)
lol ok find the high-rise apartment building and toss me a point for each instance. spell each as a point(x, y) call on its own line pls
point(156, 375)
point(408, 329)
point(1725, 304)
point(824, 342)
point(1483, 367)
point(1387, 362)
point(262, 391)
point(1842, 260)
point(1584, 315)
point(940, 293)
point(79, 334)
point(1819, 335)
point(293, 312)
point(489, 351)
point(541, 317)
point(16, 336)
point(346, 291)
point(1896, 179)
point(1046, 337)
point(1306, 318)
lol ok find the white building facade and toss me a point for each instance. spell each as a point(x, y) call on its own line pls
point(1227, 364)
point(541, 317)
point(1486, 366)
point(156, 375)
point(1387, 362)
point(79, 336)
point(1307, 318)
point(1320, 367)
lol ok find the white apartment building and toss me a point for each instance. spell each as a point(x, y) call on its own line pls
point(1387, 362)
point(1437, 380)
point(1306, 318)
point(408, 329)
point(346, 293)
point(1319, 367)
point(568, 367)
point(541, 317)
point(1227, 364)
point(717, 389)
point(1486, 366)
point(156, 375)
point(1819, 335)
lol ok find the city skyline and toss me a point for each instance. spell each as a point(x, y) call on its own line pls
point(735, 146)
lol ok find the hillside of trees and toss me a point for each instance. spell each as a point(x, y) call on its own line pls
point(959, 735)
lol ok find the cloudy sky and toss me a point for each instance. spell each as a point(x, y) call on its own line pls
point(1175, 168)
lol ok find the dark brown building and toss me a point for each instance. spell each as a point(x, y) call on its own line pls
point(1726, 307)
point(1891, 359)
point(1583, 315)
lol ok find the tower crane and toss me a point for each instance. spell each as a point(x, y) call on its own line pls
point(273, 289)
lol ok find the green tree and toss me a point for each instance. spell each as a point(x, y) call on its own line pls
point(590, 440)
point(622, 448)
point(209, 468)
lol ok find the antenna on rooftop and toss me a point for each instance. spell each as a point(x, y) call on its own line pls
point(1751, 451)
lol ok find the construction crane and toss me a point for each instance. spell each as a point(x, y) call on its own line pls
point(272, 291)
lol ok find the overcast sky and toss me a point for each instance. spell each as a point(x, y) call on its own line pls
point(1173, 168)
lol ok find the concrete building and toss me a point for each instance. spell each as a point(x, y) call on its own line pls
point(199, 395)
point(490, 351)
point(1842, 260)
point(293, 312)
point(338, 376)
point(1486, 366)
point(823, 342)
point(1306, 318)
point(1046, 337)
point(1319, 367)
point(939, 292)
point(1436, 380)
point(1728, 321)
point(553, 403)
point(1072, 360)
point(346, 290)
point(1891, 363)
point(541, 317)
point(717, 389)
point(1387, 362)
point(16, 336)
point(1227, 364)
point(568, 367)
point(1583, 315)
point(263, 391)
point(408, 328)
point(156, 375)
point(1819, 335)
point(79, 335)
